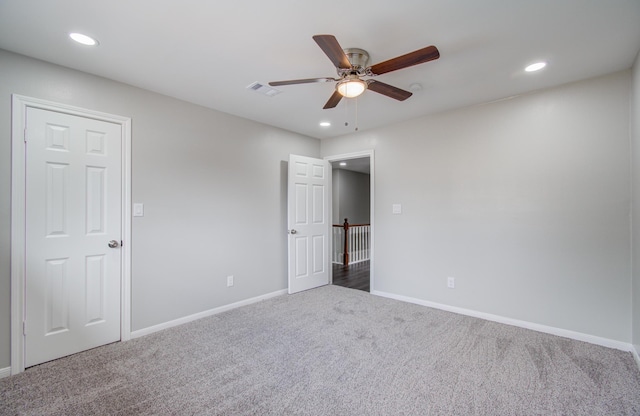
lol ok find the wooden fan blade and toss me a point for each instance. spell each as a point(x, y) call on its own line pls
point(333, 50)
point(388, 90)
point(413, 58)
point(301, 81)
point(333, 101)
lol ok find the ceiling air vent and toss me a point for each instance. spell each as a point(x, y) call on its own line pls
point(263, 89)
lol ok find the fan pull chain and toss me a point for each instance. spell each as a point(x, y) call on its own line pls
point(356, 114)
point(346, 111)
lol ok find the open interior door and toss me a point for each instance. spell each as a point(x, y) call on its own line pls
point(309, 223)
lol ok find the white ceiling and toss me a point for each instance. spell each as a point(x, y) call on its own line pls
point(208, 52)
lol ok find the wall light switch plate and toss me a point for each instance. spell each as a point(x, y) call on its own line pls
point(138, 210)
point(396, 208)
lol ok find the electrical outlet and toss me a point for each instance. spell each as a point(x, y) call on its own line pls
point(451, 282)
point(229, 281)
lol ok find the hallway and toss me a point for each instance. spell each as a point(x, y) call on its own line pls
point(355, 276)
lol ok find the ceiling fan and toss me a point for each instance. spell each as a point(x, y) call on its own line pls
point(351, 65)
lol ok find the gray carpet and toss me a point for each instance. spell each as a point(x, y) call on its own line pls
point(333, 351)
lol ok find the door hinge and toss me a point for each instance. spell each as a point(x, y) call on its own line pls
point(25, 135)
point(121, 244)
point(24, 328)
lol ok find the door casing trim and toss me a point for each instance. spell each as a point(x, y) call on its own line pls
point(19, 106)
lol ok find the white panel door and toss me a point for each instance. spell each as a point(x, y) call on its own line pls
point(73, 213)
point(309, 222)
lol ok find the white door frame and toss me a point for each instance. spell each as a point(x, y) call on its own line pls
point(357, 155)
point(18, 218)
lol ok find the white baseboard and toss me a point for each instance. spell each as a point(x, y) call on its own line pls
point(204, 314)
point(636, 354)
point(592, 339)
point(5, 372)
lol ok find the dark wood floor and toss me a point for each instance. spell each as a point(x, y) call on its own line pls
point(355, 276)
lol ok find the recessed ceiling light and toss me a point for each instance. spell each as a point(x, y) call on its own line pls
point(535, 67)
point(325, 124)
point(83, 39)
point(343, 163)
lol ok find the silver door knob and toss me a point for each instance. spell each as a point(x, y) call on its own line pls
point(293, 232)
point(113, 244)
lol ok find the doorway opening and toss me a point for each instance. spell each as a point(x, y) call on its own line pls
point(352, 218)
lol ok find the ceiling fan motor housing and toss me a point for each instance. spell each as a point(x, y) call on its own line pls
point(359, 59)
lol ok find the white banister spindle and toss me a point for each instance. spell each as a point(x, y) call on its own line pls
point(354, 236)
point(338, 245)
point(352, 243)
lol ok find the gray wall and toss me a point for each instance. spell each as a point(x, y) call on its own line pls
point(213, 185)
point(524, 201)
point(351, 193)
point(635, 140)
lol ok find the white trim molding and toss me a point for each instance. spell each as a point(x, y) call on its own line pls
point(20, 104)
point(5, 372)
point(204, 314)
point(636, 355)
point(578, 336)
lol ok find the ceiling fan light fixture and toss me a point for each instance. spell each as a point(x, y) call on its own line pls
point(351, 87)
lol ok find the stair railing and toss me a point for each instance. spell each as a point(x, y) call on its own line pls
point(351, 243)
